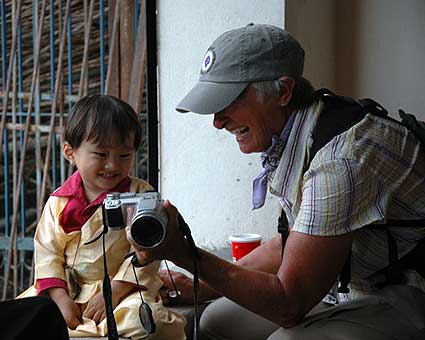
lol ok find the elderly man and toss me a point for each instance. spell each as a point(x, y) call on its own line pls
point(352, 196)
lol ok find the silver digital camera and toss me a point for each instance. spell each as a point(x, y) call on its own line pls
point(145, 210)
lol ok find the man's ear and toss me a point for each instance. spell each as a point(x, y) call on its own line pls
point(286, 87)
point(68, 152)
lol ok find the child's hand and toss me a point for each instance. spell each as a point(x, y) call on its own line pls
point(69, 309)
point(95, 309)
point(184, 285)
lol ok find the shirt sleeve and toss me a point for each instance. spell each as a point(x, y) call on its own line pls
point(338, 197)
point(49, 244)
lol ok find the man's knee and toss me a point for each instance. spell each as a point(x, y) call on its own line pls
point(224, 319)
point(290, 334)
point(213, 319)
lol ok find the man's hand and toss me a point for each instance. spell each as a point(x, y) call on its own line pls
point(69, 309)
point(174, 247)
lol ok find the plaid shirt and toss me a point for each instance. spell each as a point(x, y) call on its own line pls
point(372, 172)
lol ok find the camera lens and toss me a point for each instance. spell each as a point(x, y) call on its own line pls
point(147, 231)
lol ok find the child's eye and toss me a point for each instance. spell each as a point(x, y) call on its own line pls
point(100, 154)
point(127, 155)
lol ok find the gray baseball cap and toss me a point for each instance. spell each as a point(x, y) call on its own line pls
point(256, 52)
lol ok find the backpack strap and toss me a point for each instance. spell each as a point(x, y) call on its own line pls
point(417, 127)
point(414, 259)
point(338, 115)
point(345, 276)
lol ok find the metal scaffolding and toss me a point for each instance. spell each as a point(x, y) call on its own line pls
point(53, 53)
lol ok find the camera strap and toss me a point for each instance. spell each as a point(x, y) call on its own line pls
point(184, 228)
point(107, 295)
point(145, 312)
point(106, 287)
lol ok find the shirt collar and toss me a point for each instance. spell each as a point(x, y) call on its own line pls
point(73, 187)
point(288, 175)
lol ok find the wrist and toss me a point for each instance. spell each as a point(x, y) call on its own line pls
point(57, 293)
point(185, 259)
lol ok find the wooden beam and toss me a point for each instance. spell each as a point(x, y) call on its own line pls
point(138, 72)
point(126, 34)
point(113, 85)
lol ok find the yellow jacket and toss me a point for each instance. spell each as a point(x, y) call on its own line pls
point(54, 250)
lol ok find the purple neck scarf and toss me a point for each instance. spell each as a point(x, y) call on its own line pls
point(270, 160)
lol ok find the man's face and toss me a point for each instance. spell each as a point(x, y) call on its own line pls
point(252, 121)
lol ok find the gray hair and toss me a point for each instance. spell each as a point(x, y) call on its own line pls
point(302, 94)
point(266, 89)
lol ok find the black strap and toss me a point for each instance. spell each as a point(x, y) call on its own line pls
point(184, 228)
point(107, 295)
point(345, 276)
point(283, 228)
point(417, 127)
point(394, 271)
point(338, 115)
point(415, 259)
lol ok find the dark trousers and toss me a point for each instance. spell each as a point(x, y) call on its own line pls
point(31, 318)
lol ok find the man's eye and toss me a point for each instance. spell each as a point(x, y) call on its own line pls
point(100, 154)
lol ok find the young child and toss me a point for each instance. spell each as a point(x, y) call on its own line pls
point(101, 137)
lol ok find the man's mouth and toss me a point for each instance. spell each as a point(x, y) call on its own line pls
point(239, 131)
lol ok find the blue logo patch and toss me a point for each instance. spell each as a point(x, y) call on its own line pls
point(208, 61)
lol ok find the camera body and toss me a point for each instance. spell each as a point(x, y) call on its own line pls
point(148, 218)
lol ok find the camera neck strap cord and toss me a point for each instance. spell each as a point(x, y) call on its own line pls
point(147, 317)
point(145, 312)
point(184, 228)
point(106, 288)
point(107, 295)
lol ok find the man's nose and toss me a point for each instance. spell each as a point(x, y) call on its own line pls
point(219, 120)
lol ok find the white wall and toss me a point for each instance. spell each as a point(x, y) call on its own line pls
point(202, 170)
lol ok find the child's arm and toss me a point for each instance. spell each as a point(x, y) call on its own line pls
point(49, 245)
point(67, 306)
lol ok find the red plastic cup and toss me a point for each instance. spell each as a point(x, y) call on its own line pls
point(242, 244)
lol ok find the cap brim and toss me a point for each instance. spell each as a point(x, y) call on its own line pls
point(207, 97)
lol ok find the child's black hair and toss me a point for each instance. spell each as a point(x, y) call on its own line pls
point(98, 118)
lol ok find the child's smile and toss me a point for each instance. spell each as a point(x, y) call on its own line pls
point(101, 167)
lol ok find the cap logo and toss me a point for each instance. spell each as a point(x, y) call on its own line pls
point(208, 61)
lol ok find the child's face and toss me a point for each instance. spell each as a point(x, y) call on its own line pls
point(101, 167)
